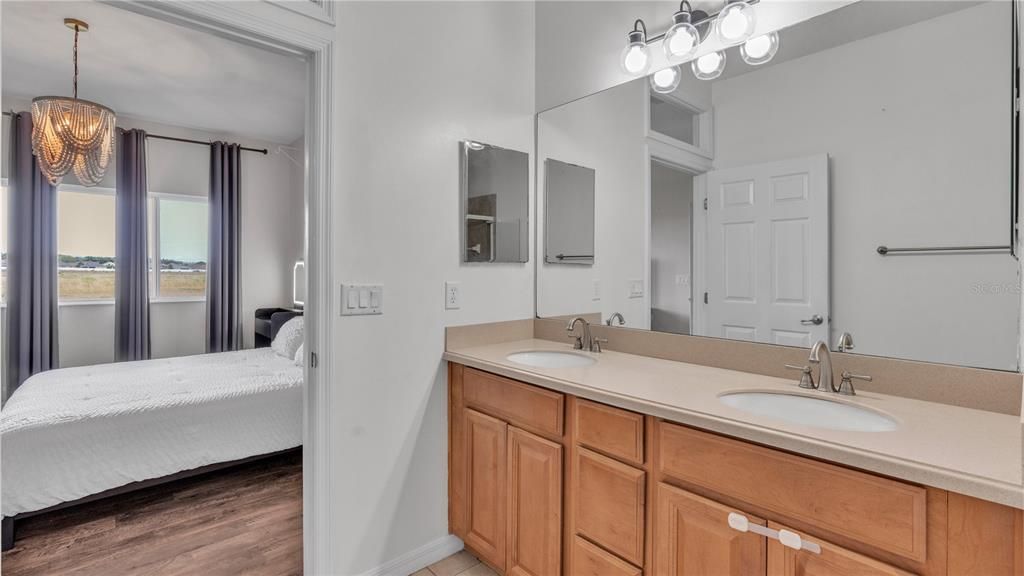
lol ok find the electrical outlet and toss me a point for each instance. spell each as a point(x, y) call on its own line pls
point(452, 296)
point(597, 290)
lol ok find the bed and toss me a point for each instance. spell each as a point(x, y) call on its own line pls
point(71, 434)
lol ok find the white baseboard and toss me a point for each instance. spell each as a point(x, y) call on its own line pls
point(419, 558)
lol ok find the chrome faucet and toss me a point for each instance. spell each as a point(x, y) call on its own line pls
point(821, 355)
point(622, 321)
point(583, 341)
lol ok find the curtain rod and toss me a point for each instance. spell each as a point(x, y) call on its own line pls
point(185, 140)
point(189, 141)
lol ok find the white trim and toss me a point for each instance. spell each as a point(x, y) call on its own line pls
point(698, 263)
point(316, 9)
point(246, 23)
point(419, 558)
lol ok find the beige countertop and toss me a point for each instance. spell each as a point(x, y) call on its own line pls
point(964, 450)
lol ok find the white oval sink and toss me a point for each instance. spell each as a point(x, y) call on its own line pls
point(810, 411)
point(550, 359)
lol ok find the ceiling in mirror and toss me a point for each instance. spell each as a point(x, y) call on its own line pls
point(753, 205)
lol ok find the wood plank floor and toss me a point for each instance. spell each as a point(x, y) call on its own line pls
point(246, 520)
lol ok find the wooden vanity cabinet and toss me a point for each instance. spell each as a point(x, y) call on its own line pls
point(505, 482)
point(544, 484)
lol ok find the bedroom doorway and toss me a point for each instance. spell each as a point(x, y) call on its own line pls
point(299, 32)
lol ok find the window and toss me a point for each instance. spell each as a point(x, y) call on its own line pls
point(178, 241)
point(674, 120)
point(85, 244)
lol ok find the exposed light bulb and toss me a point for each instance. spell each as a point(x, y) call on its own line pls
point(735, 23)
point(760, 49)
point(636, 58)
point(682, 39)
point(666, 80)
point(709, 66)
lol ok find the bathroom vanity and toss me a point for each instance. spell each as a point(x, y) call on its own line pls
point(633, 465)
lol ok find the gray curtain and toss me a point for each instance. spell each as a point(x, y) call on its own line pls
point(223, 279)
point(31, 337)
point(131, 270)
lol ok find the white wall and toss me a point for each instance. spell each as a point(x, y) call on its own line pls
point(579, 42)
point(273, 236)
point(448, 71)
point(606, 133)
point(921, 161)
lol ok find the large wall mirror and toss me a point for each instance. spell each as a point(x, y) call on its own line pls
point(861, 182)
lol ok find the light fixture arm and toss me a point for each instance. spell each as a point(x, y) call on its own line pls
point(639, 26)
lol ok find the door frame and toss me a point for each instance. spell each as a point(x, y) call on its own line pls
point(309, 34)
point(656, 150)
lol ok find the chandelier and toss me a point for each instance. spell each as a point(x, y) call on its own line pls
point(71, 134)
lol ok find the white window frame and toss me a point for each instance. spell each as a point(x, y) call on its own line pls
point(154, 293)
point(704, 120)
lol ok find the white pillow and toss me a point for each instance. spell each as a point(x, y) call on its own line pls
point(299, 357)
point(288, 338)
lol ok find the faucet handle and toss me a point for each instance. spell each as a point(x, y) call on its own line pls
point(846, 383)
point(578, 344)
point(597, 343)
point(806, 379)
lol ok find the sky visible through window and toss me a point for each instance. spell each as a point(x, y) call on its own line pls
point(183, 230)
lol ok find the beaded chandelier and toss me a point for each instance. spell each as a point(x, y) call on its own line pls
point(72, 134)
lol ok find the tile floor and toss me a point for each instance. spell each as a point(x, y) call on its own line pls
point(459, 564)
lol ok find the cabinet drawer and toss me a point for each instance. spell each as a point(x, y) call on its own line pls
point(590, 560)
point(610, 504)
point(527, 407)
point(875, 511)
point(614, 432)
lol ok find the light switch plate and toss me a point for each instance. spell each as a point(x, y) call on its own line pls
point(597, 290)
point(362, 299)
point(452, 296)
point(636, 288)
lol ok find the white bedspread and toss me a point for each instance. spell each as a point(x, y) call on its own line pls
point(74, 432)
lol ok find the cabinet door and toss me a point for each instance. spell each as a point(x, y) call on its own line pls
point(535, 505)
point(486, 497)
point(833, 561)
point(693, 538)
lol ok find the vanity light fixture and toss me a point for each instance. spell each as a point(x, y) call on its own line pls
point(760, 49)
point(666, 80)
point(709, 66)
point(72, 134)
point(636, 57)
point(735, 23)
point(682, 39)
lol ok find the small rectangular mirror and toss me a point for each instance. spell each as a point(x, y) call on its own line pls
point(569, 213)
point(495, 186)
